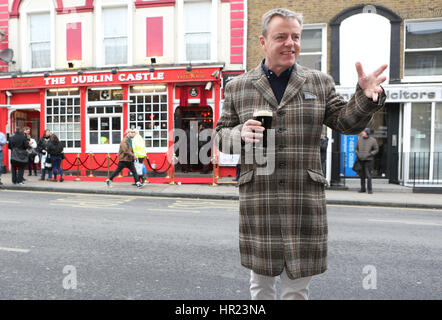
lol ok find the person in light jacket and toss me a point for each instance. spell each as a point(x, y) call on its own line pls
point(366, 148)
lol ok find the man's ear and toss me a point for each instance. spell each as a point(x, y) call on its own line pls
point(262, 41)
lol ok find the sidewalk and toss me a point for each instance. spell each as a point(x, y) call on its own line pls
point(384, 194)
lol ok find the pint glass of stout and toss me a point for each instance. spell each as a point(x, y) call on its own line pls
point(265, 117)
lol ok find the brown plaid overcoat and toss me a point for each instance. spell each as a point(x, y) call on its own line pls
point(283, 217)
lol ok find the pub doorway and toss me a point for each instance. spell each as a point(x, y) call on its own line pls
point(192, 120)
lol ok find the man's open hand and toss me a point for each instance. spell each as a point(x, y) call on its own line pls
point(371, 83)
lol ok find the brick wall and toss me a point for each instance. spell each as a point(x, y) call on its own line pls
point(237, 31)
point(320, 11)
point(4, 26)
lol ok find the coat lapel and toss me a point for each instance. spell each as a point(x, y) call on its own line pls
point(261, 83)
point(297, 79)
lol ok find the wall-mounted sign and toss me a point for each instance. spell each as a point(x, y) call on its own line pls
point(402, 93)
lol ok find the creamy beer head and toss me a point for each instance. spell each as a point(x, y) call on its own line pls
point(263, 113)
point(265, 117)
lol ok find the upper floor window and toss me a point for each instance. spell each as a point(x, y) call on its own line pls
point(115, 35)
point(40, 40)
point(423, 48)
point(197, 29)
point(312, 50)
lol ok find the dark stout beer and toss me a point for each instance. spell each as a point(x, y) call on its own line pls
point(265, 117)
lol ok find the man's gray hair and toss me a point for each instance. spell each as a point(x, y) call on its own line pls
point(281, 12)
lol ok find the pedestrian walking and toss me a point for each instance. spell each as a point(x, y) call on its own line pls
point(3, 142)
point(283, 222)
point(55, 150)
point(18, 144)
point(42, 147)
point(140, 154)
point(126, 158)
point(366, 148)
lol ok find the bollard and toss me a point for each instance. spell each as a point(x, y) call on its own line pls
point(91, 175)
point(167, 177)
point(78, 168)
point(173, 169)
point(214, 171)
point(108, 166)
point(145, 164)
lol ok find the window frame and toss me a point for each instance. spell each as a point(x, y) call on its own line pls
point(100, 52)
point(165, 93)
point(405, 50)
point(50, 125)
point(26, 54)
point(180, 31)
point(323, 28)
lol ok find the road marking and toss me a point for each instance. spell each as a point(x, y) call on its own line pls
point(418, 223)
point(9, 201)
point(174, 210)
point(91, 202)
point(14, 250)
point(201, 204)
point(382, 207)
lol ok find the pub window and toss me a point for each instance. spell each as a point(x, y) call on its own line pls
point(148, 113)
point(423, 48)
point(63, 115)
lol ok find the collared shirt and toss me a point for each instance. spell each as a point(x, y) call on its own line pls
point(278, 84)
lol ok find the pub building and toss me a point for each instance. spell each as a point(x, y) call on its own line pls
point(90, 111)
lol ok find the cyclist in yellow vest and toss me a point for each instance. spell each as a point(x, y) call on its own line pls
point(140, 151)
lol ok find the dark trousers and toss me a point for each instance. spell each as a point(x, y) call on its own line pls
point(17, 170)
point(32, 165)
point(366, 167)
point(125, 164)
point(56, 167)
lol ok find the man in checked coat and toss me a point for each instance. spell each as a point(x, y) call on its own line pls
point(283, 221)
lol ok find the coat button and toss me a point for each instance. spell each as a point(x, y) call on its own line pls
point(281, 182)
point(281, 130)
point(281, 113)
point(282, 165)
point(281, 147)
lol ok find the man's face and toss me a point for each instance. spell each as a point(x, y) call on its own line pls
point(282, 44)
point(364, 134)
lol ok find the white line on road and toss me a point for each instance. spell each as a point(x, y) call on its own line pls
point(408, 222)
point(15, 250)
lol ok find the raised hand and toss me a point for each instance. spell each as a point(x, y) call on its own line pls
point(370, 84)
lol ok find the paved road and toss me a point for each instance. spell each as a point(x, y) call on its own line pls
point(76, 246)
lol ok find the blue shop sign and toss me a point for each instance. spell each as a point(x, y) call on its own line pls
point(348, 155)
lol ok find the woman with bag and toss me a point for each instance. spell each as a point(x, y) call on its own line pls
point(42, 147)
point(32, 154)
point(18, 143)
point(55, 150)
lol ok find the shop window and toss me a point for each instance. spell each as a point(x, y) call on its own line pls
point(115, 35)
point(63, 115)
point(40, 40)
point(104, 129)
point(148, 112)
point(312, 55)
point(423, 48)
point(197, 30)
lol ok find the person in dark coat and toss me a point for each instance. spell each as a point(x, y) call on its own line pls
point(42, 147)
point(18, 144)
point(366, 148)
point(283, 228)
point(55, 149)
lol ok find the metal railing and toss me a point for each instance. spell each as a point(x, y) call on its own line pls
point(424, 168)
